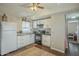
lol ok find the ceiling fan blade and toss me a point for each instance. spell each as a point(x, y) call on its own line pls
point(29, 6)
point(38, 4)
point(33, 5)
point(40, 7)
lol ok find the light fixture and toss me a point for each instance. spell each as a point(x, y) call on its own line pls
point(35, 6)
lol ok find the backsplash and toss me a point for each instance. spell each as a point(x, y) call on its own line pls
point(42, 31)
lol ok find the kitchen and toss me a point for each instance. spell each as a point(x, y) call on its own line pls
point(21, 26)
point(35, 34)
point(38, 34)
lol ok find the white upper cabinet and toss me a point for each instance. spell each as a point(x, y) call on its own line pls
point(45, 22)
point(34, 24)
point(37, 22)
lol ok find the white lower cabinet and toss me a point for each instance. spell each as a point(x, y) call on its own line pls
point(32, 40)
point(46, 40)
point(25, 40)
point(19, 41)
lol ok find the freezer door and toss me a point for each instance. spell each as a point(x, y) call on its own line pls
point(8, 42)
point(8, 26)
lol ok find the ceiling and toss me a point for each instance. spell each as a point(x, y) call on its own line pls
point(20, 9)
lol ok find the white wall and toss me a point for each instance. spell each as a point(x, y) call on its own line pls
point(10, 15)
point(78, 32)
point(58, 37)
point(11, 18)
point(58, 32)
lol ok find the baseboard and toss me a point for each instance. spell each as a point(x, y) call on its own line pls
point(54, 51)
point(58, 50)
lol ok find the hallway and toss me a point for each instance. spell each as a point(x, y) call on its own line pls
point(73, 49)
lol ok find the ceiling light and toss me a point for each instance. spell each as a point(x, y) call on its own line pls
point(35, 6)
point(73, 17)
point(72, 21)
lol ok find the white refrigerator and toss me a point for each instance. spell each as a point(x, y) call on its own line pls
point(8, 37)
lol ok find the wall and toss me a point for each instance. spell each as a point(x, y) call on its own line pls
point(58, 32)
point(58, 36)
point(0, 17)
point(78, 32)
point(72, 27)
point(11, 18)
point(11, 15)
point(16, 20)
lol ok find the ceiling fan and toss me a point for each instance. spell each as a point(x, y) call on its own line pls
point(35, 6)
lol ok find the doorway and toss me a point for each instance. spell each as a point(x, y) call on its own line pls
point(72, 29)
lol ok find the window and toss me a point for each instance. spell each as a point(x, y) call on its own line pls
point(26, 27)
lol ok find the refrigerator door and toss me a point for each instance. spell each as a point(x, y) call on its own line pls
point(8, 42)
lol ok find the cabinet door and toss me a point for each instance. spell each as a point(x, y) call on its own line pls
point(19, 41)
point(25, 40)
point(46, 40)
point(35, 24)
point(31, 38)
